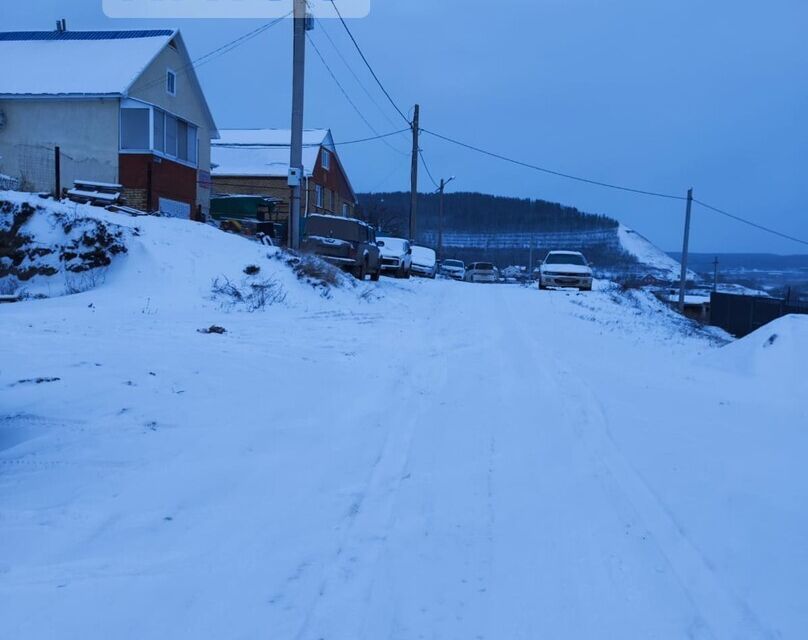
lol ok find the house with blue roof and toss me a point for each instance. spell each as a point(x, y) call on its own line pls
point(123, 107)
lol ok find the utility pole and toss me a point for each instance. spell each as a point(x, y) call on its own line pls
point(683, 282)
point(440, 218)
point(414, 174)
point(441, 190)
point(296, 145)
point(715, 274)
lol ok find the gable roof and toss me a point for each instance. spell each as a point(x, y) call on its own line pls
point(77, 63)
point(265, 153)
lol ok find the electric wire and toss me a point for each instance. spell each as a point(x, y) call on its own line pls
point(750, 223)
point(348, 97)
point(223, 49)
point(367, 64)
point(554, 172)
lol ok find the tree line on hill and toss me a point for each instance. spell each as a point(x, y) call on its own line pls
point(483, 214)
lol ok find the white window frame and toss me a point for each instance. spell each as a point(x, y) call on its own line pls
point(170, 73)
point(325, 160)
point(346, 210)
point(318, 196)
point(130, 103)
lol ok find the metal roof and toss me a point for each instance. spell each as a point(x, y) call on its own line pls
point(9, 36)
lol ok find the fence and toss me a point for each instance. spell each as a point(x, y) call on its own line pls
point(33, 167)
point(741, 315)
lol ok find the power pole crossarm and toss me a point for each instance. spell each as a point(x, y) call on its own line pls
point(685, 246)
point(414, 174)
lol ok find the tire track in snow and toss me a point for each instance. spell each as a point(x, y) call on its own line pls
point(348, 577)
point(720, 613)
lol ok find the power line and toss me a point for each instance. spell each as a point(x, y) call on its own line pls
point(249, 145)
point(321, 24)
point(225, 48)
point(750, 223)
point(367, 64)
point(428, 172)
point(348, 97)
point(553, 172)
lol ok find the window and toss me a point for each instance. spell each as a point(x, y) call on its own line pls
point(326, 160)
point(159, 130)
point(346, 210)
point(318, 196)
point(135, 129)
point(171, 136)
point(150, 128)
point(192, 143)
point(171, 82)
point(330, 200)
point(182, 140)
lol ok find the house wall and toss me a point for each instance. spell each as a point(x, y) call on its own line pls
point(187, 104)
point(168, 179)
point(86, 130)
point(332, 181)
point(335, 182)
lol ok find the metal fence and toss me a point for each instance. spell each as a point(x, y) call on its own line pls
point(741, 315)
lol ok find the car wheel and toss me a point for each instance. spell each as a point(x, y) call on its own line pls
point(375, 275)
point(360, 270)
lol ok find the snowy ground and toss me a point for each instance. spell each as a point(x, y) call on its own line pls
point(429, 460)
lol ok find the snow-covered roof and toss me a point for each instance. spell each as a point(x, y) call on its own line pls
point(264, 152)
point(76, 63)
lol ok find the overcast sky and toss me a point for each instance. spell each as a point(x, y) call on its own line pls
point(653, 95)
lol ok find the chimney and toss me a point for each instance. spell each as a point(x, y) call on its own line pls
point(61, 25)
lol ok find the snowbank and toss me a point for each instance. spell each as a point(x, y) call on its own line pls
point(174, 262)
point(776, 353)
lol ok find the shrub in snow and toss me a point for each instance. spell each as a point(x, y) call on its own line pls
point(249, 293)
point(315, 271)
point(252, 270)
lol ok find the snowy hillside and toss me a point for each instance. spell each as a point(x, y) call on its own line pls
point(400, 459)
point(648, 254)
point(68, 248)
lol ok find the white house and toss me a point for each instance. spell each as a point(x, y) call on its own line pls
point(123, 107)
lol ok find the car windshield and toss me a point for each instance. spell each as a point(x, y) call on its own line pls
point(423, 256)
point(484, 266)
point(452, 263)
point(395, 245)
point(332, 227)
point(565, 258)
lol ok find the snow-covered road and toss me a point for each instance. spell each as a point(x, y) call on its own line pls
point(449, 461)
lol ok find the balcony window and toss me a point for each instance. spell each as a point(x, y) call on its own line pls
point(135, 129)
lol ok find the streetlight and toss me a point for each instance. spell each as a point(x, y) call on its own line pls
point(440, 190)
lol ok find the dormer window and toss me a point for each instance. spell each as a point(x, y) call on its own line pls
point(171, 82)
point(326, 161)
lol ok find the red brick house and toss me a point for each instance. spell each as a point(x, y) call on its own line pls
point(256, 162)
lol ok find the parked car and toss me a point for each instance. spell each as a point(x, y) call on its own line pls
point(481, 272)
point(396, 256)
point(454, 269)
point(565, 269)
point(345, 242)
point(423, 262)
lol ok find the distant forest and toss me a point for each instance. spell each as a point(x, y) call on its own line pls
point(483, 216)
point(477, 213)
